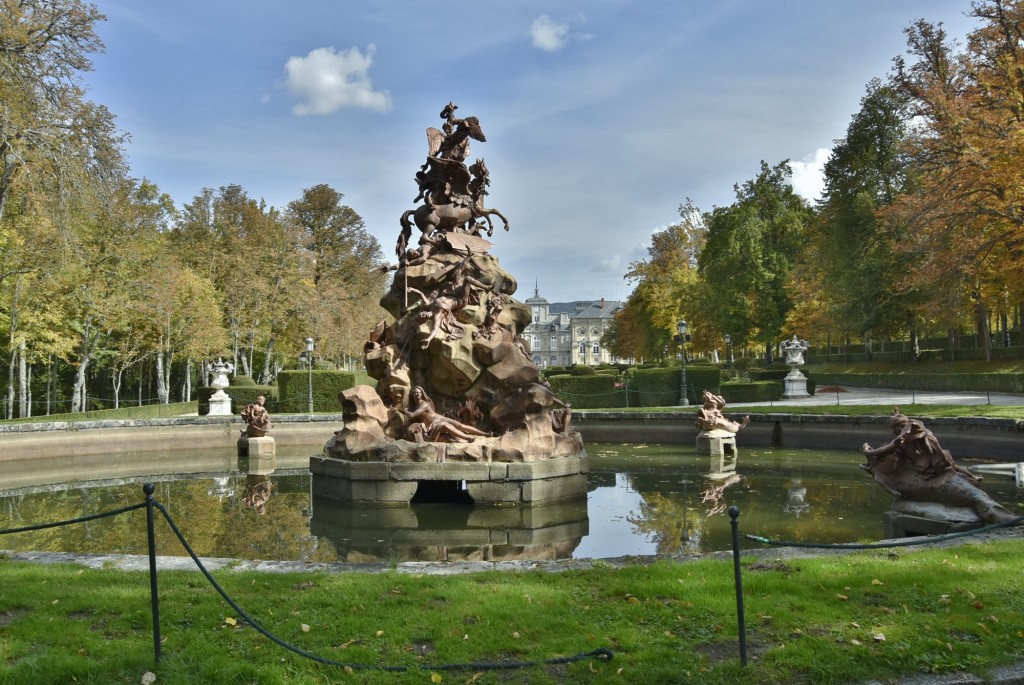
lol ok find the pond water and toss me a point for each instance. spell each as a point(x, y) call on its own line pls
point(643, 500)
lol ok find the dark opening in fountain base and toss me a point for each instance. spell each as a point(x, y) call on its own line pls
point(486, 483)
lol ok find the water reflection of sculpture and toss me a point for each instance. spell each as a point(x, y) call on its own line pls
point(258, 489)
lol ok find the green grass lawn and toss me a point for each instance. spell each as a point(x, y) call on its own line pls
point(835, 619)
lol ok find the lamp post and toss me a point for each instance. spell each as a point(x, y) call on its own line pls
point(728, 351)
point(309, 363)
point(683, 402)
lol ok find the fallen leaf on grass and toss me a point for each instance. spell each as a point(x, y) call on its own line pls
point(842, 597)
point(878, 637)
point(148, 678)
point(435, 677)
point(305, 627)
point(230, 621)
point(855, 642)
point(380, 633)
point(476, 677)
point(876, 581)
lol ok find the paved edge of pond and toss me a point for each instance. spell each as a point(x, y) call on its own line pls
point(758, 415)
point(139, 562)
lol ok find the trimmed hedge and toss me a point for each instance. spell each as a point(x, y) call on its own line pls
point(327, 385)
point(660, 387)
point(757, 391)
point(589, 392)
point(977, 382)
point(240, 395)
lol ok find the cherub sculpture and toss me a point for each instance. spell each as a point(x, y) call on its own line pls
point(710, 417)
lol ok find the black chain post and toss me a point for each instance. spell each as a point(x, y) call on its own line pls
point(148, 488)
point(734, 514)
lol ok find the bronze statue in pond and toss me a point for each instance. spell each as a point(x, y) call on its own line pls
point(914, 466)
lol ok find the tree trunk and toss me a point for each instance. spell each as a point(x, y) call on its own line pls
point(49, 383)
point(868, 351)
point(268, 352)
point(985, 329)
point(24, 409)
point(915, 345)
point(78, 388)
point(161, 382)
point(11, 363)
point(116, 378)
point(186, 395)
point(952, 344)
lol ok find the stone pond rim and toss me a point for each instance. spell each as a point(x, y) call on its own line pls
point(966, 437)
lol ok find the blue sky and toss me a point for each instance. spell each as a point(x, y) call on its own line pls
point(601, 116)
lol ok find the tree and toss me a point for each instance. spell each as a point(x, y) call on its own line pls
point(847, 280)
point(966, 217)
point(750, 249)
point(347, 271)
point(665, 290)
point(49, 133)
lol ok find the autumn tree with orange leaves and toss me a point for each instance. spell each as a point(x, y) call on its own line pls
point(966, 218)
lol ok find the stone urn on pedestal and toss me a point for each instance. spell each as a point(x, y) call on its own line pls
point(220, 401)
point(795, 382)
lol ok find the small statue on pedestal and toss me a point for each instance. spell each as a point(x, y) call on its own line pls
point(257, 418)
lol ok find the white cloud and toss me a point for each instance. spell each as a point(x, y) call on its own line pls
point(809, 175)
point(325, 81)
point(549, 35)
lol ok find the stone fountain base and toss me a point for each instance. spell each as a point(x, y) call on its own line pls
point(383, 483)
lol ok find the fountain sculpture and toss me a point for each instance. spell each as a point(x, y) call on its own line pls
point(717, 437)
point(935, 494)
point(458, 407)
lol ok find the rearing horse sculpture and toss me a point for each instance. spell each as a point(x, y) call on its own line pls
point(465, 206)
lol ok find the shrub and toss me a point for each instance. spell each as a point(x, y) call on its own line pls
point(589, 392)
point(242, 381)
point(660, 387)
point(744, 364)
point(327, 385)
point(240, 395)
point(582, 370)
point(757, 391)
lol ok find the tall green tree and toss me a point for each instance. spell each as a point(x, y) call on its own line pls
point(852, 265)
point(750, 249)
point(664, 291)
point(347, 269)
point(49, 133)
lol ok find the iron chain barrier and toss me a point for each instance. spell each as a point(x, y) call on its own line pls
point(603, 654)
point(151, 506)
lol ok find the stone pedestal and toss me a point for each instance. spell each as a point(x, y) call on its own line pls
point(220, 404)
point(258, 465)
point(485, 483)
point(720, 445)
point(795, 385)
point(256, 448)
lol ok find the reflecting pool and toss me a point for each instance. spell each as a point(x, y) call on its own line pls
point(643, 500)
